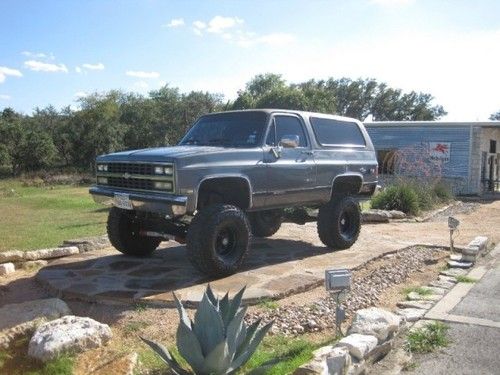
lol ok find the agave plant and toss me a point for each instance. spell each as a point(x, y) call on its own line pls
point(218, 341)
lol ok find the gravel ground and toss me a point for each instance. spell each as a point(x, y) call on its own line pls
point(458, 208)
point(368, 284)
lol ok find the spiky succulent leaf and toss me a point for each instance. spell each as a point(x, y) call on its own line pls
point(211, 296)
point(217, 361)
point(166, 356)
point(250, 332)
point(224, 304)
point(233, 331)
point(250, 349)
point(208, 326)
point(182, 313)
point(189, 347)
point(234, 305)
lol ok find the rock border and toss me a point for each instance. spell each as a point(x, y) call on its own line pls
point(14, 259)
point(370, 338)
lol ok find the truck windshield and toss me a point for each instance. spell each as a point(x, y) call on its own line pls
point(243, 129)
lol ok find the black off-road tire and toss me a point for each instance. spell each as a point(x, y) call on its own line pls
point(123, 231)
point(265, 223)
point(218, 239)
point(339, 223)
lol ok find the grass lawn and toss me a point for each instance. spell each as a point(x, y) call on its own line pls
point(39, 217)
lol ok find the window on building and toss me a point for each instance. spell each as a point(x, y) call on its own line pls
point(493, 146)
point(386, 161)
point(334, 132)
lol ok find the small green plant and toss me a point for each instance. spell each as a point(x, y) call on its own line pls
point(410, 366)
point(428, 338)
point(417, 289)
point(140, 306)
point(217, 341)
point(443, 192)
point(135, 326)
point(397, 197)
point(268, 304)
point(465, 279)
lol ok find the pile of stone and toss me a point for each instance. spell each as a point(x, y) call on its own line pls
point(469, 254)
point(369, 339)
point(367, 286)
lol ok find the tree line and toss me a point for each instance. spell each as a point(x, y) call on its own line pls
point(111, 121)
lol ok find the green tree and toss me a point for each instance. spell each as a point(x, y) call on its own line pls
point(495, 116)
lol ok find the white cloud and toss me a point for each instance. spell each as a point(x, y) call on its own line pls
point(176, 22)
point(4, 72)
point(4, 97)
point(98, 66)
point(78, 69)
point(80, 94)
point(39, 66)
point(219, 24)
point(199, 24)
point(38, 55)
point(142, 74)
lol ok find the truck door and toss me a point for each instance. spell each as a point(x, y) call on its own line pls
point(291, 169)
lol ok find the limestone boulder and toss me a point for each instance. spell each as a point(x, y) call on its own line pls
point(374, 321)
point(7, 268)
point(11, 256)
point(68, 334)
point(375, 216)
point(359, 345)
point(19, 319)
point(412, 314)
point(56, 252)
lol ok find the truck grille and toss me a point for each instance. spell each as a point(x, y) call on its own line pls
point(132, 168)
point(136, 176)
point(130, 183)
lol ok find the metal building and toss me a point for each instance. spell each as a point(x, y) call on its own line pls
point(465, 154)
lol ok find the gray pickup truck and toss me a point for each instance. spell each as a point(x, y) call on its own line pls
point(235, 174)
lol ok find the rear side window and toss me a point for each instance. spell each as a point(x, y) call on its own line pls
point(331, 132)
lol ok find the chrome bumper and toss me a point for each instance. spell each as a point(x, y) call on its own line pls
point(165, 204)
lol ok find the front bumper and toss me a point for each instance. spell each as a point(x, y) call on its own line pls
point(165, 204)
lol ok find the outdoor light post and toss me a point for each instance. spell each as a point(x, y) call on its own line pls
point(338, 283)
point(453, 225)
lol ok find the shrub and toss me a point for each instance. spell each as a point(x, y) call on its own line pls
point(218, 341)
point(397, 197)
point(443, 192)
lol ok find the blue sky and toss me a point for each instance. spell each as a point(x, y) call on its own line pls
point(52, 52)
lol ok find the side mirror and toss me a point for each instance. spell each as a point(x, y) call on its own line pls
point(290, 141)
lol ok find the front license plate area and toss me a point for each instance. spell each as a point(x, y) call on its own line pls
point(122, 201)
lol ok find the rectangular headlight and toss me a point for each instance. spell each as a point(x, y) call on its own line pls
point(102, 167)
point(164, 170)
point(162, 185)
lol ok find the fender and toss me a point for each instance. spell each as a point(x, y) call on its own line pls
point(224, 175)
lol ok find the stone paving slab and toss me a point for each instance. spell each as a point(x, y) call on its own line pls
point(291, 261)
point(274, 268)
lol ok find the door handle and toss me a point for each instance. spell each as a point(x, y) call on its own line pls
point(308, 152)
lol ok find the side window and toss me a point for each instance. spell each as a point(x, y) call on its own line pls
point(289, 125)
point(334, 132)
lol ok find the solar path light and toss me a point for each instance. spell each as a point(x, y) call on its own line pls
point(338, 283)
point(453, 225)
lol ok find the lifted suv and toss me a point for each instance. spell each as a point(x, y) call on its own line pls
point(233, 174)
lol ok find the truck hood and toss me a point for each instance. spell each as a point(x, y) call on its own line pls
point(160, 154)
